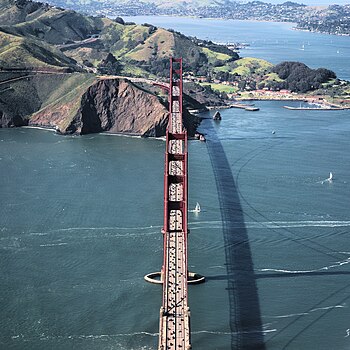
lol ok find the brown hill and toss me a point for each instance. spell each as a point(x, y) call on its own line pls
point(78, 103)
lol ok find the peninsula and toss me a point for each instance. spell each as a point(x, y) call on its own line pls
point(81, 74)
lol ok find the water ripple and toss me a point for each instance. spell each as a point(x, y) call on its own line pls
point(324, 268)
point(307, 313)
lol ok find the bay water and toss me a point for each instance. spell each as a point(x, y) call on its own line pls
point(80, 221)
point(273, 41)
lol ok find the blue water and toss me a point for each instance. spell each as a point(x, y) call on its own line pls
point(275, 42)
point(80, 221)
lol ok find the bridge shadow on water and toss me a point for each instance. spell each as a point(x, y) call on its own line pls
point(245, 316)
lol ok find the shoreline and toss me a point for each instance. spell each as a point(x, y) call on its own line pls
point(244, 20)
point(215, 18)
point(316, 32)
point(105, 133)
point(38, 128)
point(307, 99)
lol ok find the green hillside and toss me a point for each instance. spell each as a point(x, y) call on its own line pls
point(148, 49)
point(54, 26)
point(66, 96)
point(57, 37)
point(21, 52)
point(37, 39)
point(21, 11)
point(43, 94)
point(159, 45)
point(246, 66)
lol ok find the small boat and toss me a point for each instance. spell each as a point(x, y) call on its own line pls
point(197, 208)
point(329, 180)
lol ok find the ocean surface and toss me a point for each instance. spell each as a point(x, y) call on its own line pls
point(80, 221)
point(275, 42)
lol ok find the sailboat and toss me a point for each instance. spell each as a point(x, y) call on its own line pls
point(329, 180)
point(197, 208)
point(302, 47)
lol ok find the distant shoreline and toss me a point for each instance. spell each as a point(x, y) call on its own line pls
point(244, 20)
point(214, 18)
point(316, 32)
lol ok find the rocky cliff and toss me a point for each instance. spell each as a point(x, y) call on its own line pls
point(85, 106)
point(118, 106)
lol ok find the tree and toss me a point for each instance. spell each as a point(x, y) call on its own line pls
point(300, 78)
point(242, 85)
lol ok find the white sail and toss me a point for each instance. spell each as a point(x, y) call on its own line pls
point(197, 208)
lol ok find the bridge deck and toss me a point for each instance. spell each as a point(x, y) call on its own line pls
point(174, 327)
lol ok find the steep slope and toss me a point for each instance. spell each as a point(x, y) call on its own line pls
point(115, 106)
point(26, 93)
point(81, 104)
point(143, 49)
point(159, 45)
point(119, 107)
point(36, 38)
point(53, 25)
point(14, 12)
point(148, 48)
point(19, 52)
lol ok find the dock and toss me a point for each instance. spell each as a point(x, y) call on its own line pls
point(249, 108)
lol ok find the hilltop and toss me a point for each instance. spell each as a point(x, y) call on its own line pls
point(82, 42)
point(334, 19)
point(53, 62)
point(49, 58)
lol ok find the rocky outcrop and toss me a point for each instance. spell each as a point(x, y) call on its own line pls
point(217, 116)
point(18, 99)
point(204, 95)
point(80, 104)
point(118, 106)
point(115, 106)
point(10, 121)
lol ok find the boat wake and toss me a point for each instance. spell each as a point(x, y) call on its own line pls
point(111, 341)
point(112, 228)
point(264, 331)
point(325, 268)
point(329, 179)
point(53, 244)
point(307, 313)
point(197, 209)
point(272, 224)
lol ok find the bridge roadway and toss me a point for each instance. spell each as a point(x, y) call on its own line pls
point(174, 327)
